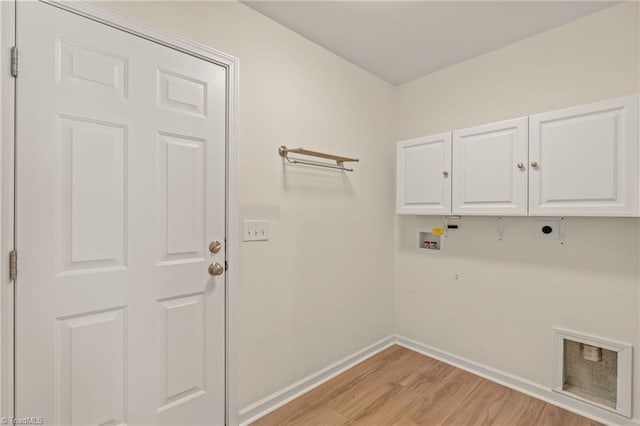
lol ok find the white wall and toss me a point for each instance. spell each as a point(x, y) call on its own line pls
point(507, 295)
point(321, 288)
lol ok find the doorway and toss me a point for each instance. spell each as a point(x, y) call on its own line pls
point(121, 226)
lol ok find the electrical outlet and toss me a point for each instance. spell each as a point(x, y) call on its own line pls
point(548, 229)
point(256, 230)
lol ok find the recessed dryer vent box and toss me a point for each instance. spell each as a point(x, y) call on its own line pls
point(430, 241)
point(593, 370)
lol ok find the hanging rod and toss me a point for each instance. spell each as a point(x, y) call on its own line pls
point(284, 153)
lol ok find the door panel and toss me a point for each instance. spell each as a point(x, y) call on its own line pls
point(91, 195)
point(100, 338)
point(181, 198)
point(120, 183)
point(586, 160)
point(181, 93)
point(487, 178)
point(85, 68)
point(181, 367)
point(423, 183)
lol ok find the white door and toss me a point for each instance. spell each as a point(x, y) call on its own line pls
point(490, 169)
point(423, 179)
point(120, 189)
point(584, 160)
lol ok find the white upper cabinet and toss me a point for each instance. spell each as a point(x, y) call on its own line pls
point(579, 161)
point(583, 160)
point(490, 169)
point(424, 175)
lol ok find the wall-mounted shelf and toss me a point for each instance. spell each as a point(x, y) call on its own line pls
point(340, 160)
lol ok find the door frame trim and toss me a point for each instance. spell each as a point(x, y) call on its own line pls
point(7, 167)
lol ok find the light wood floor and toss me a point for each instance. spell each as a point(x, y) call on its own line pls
point(402, 387)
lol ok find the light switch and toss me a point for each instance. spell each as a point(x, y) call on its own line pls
point(256, 230)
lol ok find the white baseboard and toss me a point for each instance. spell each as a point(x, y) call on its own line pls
point(266, 405)
point(519, 384)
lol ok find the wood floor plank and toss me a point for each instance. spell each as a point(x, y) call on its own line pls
point(333, 389)
point(387, 412)
point(319, 416)
point(434, 405)
point(401, 387)
point(521, 410)
point(481, 406)
point(428, 376)
point(556, 416)
point(378, 386)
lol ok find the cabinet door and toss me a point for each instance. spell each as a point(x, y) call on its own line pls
point(583, 160)
point(423, 180)
point(490, 169)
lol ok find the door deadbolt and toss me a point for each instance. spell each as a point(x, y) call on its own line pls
point(215, 246)
point(216, 269)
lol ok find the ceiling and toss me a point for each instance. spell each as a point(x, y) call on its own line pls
point(402, 40)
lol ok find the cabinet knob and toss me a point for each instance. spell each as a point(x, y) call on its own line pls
point(520, 165)
point(445, 173)
point(534, 164)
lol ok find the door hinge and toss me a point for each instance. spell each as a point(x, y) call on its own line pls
point(14, 61)
point(13, 265)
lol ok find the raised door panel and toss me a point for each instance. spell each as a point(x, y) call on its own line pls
point(182, 94)
point(91, 195)
point(490, 169)
point(87, 69)
point(423, 175)
point(91, 373)
point(584, 160)
point(181, 350)
point(181, 199)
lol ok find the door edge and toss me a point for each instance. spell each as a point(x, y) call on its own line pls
point(7, 209)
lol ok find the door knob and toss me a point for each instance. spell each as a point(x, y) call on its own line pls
point(520, 165)
point(216, 269)
point(445, 173)
point(215, 246)
point(534, 164)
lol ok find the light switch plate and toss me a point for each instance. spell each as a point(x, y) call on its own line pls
point(256, 230)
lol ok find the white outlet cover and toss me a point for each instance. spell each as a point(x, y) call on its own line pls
point(555, 229)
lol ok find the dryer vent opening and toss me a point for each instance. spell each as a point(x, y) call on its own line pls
point(593, 370)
